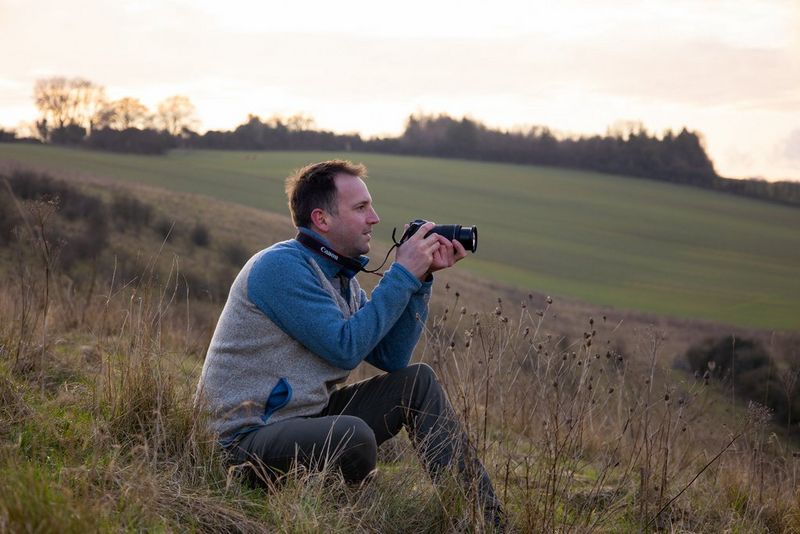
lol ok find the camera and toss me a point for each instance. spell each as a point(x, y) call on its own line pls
point(466, 235)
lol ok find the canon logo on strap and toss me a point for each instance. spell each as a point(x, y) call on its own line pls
point(323, 250)
point(329, 253)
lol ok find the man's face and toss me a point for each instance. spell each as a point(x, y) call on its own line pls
point(350, 229)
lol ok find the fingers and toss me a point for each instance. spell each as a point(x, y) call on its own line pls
point(420, 234)
point(459, 251)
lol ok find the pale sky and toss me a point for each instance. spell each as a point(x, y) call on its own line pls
point(729, 69)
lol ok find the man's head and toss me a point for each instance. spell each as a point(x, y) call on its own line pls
point(332, 199)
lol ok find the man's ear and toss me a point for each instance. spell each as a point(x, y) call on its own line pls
point(320, 219)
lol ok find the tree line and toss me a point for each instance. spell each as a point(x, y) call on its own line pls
point(77, 112)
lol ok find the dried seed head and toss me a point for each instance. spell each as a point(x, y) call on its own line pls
point(591, 321)
point(447, 286)
point(712, 365)
point(706, 376)
point(549, 300)
point(540, 313)
point(611, 390)
point(758, 414)
point(666, 397)
point(498, 311)
point(499, 300)
point(452, 344)
point(526, 332)
point(463, 310)
point(504, 319)
point(466, 343)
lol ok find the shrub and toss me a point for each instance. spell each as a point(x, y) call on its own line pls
point(200, 235)
point(750, 371)
point(128, 212)
point(236, 253)
point(165, 229)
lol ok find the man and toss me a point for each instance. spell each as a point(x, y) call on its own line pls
point(296, 323)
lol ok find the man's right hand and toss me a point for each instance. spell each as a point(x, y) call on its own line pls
point(416, 253)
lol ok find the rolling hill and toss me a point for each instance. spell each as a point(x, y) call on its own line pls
point(623, 242)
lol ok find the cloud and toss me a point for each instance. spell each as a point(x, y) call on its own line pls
point(791, 148)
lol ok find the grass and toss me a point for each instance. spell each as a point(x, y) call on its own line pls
point(617, 241)
point(98, 431)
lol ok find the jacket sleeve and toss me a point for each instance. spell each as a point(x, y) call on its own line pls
point(394, 351)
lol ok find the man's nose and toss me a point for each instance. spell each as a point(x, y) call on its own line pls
point(374, 219)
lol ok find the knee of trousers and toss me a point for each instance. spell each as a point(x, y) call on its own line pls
point(423, 378)
point(353, 443)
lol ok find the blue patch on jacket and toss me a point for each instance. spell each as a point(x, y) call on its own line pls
point(279, 397)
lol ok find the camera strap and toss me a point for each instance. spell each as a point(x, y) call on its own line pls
point(315, 245)
point(322, 249)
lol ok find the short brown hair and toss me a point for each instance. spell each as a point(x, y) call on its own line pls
point(313, 187)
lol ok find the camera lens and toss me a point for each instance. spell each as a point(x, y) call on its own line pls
point(466, 235)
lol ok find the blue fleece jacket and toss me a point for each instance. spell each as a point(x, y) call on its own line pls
point(383, 331)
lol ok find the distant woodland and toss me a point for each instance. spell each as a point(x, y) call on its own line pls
point(76, 112)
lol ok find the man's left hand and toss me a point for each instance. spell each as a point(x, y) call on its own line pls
point(448, 253)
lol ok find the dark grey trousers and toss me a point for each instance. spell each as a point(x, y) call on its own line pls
point(358, 418)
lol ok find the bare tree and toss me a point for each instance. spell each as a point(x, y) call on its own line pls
point(299, 122)
point(176, 114)
point(64, 102)
point(127, 112)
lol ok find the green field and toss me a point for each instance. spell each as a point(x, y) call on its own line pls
point(629, 243)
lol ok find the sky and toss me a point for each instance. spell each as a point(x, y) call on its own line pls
point(729, 69)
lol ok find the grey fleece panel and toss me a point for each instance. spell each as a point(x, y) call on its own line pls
point(247, 357)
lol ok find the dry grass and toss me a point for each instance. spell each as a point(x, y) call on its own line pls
point(584, 428)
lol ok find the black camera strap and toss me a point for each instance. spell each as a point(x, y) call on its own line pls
point(315, 245)
point(322, 249)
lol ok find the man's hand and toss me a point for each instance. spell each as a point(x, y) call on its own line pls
point(448, 253)
point(417, 253)
point(425, 255)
